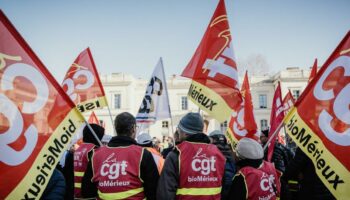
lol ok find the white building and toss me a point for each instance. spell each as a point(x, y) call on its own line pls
point(125, 93)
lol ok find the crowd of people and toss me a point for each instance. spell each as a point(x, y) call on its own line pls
point(194, 164)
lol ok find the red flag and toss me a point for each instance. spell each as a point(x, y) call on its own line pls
point(313, 71)
point(30, 148)
point(93, 118)
point(320, 121)
point(288, 102)
point(213, 69)
point(277, 115)
point(83, 85)
point(243, 124)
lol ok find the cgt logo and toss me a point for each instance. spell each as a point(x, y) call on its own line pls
point(267, 182)
point(202, 163)
point(113, 168)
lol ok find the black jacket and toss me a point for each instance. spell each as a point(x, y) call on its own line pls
point(311, 187)
point(148, 172)
point(280, 157)
point(169, 179)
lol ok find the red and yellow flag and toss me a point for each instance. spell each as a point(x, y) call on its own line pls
point(276, 118)
point(30, 145)
point(243, 123)
point(320, 121)
point(213, 69)
point(83, 85)
point(288, 102)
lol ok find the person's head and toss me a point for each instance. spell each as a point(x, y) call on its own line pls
point(125, 124)
point(144, 140)
point(249, 149)
point(88, 136)
point(176, 137)
point(217, 137)
point(264, 136)
point(190, 124)
point(205, 127)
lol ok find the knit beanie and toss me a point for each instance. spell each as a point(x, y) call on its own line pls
point(249, 149)
point(191, 123)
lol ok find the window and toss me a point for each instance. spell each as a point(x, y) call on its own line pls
point(165, 124)
point(223, 127)
point(117, 101)
point(262, 101)
point(296, 94)
point(184, 103)
point(263, 124)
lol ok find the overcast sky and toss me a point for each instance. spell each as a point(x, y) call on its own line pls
point(129, 36)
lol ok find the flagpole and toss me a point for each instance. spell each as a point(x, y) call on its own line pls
point(166, 89)
point(110, 115)
point(273, 135)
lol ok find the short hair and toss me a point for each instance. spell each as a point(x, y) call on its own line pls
point(124, 123)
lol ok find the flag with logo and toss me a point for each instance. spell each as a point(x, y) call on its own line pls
point(288, 102)
point(83, 85)
point(30, 145)
point(213, 70)
point(155, 104)
point(243, 123)
point(319, 123)
point(313, 71)
point(276, 118)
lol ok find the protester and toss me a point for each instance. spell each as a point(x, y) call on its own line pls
point(311, 187)
point(56, 187)
point(256, 179)
point(145, 140)
point(122, 169)
point(81, 157)
point(219, 140)
point(202, 165)
point(166, 151)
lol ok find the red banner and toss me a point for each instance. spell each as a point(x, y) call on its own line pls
point(313, 71)
point(277, 115)
point(243, 124)
point(288, 102)
point(93, 119)
point(30, 148)
point(320, 121)
point(83, 85)
point(213, 69)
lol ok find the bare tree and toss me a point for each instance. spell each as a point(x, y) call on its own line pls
point(256, 64)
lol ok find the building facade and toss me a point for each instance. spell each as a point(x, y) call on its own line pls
point(124, 94)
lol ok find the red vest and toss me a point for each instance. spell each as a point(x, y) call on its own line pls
point(117, 172)
point(80, 165)
point(262, 183)
point(201, 170)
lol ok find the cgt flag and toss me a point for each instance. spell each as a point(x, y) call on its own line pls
point(93, 119)
point(30, 148)
point(243, 124)
point(320, 121)
point(276, 118)
point(83, 85)
point(213, 70)
point(288, 102)
point(155, 104)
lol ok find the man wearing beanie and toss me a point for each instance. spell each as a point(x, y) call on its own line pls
point(256, 179)
point(82, 155)
point(194, 168)
point(122, 169)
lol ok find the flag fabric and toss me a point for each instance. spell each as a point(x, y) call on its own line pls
point(213, 70)
point(83, 85)
point(155, 104)
point(243, 124)
point(30, 145)
point(288, 102)
point(93, 119)
point(313, 71)
point(276, 118)
point(320, 121)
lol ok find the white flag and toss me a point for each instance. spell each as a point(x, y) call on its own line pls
point(155, 104)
